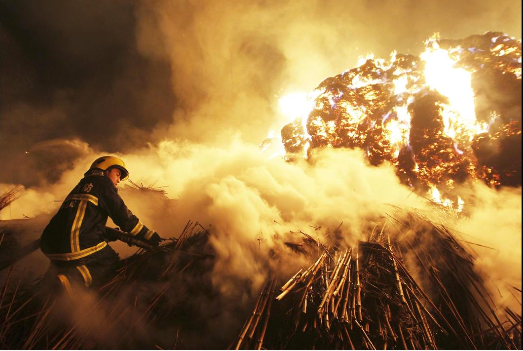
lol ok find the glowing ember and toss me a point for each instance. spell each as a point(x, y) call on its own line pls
point(451, 114)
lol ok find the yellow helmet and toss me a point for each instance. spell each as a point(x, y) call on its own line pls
point(106, 162)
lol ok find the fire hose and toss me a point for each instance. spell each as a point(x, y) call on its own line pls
point(111, 234)
point(116, 234)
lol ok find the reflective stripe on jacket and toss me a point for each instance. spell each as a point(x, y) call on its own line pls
point(77, 228)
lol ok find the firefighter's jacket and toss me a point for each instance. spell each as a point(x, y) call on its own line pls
point(76, 230)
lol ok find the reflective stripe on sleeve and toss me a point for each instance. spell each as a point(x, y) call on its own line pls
point(137, 228)
point(149, 234)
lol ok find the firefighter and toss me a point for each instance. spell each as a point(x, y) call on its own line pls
point(75, 239)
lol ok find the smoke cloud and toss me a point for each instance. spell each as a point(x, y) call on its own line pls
point(184, 91)
point(116, 75)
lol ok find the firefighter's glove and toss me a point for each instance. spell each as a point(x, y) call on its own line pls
point(155, 239)
point(110, 234)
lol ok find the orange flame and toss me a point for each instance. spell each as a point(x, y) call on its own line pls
point(420, 113)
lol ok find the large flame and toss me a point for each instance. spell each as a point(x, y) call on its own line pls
point(436, 117)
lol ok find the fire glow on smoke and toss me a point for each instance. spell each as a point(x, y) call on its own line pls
point(434, 117)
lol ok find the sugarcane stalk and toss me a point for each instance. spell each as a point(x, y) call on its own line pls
point(294, 277)
point(517, 319)
point(429, 336)
point(6, 284)
point(286, 291)
point(387, 323)
point(324, 276)
point(323, 247)
point(297, 278)
point(64, 337)
point(267, 316)
point(189, 227)
point(257, 317)
point(409, 305)
point(402, 338)
point(411, 340)
point(504, 335)
point(39, 323)
point(396, 273)
point(381, 232)
point(352, 309)
point(413, 294)
point(339, 300)
point(418, 288)
point(341, 286)
point(248, 324)
point(348, 337)
point(444, 294)
point(304, 310)
point(5, 327)
point(358, 288)
point(314, 271)
point(366, 337)
point(371, 235)
point(346, 297)
point(330, 288)
point(21, 308)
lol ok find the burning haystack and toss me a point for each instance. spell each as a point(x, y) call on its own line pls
point(449, 115)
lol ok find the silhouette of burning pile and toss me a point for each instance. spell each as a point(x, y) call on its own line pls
point(451, 114)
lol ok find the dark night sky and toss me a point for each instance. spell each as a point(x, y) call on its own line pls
point(70, 70)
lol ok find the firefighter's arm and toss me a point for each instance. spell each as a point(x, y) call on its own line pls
point(125, 219)
point(112, 234)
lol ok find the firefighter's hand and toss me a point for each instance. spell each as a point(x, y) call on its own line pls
point(155, 239)
point(110, 234)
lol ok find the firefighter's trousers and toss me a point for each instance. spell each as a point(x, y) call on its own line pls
point(90, 272)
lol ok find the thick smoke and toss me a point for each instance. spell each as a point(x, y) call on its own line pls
point(183, 91)
point(494, 222)
point(110, 73)
point(72, 70)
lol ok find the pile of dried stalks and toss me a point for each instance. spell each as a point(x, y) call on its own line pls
point(411, 285)
point(149, 293)
point(366, 297)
